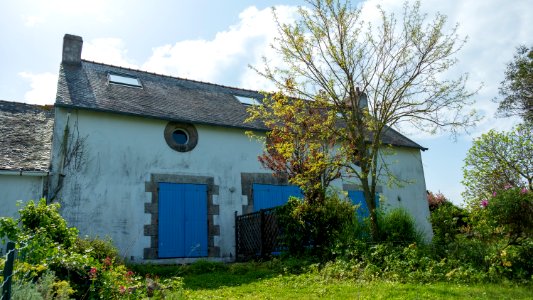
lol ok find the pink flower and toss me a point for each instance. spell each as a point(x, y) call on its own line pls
point(484, 203)
point(108, 261)
point(92, 273)
point(507, 186)
point(523, 191)
point(494, 194)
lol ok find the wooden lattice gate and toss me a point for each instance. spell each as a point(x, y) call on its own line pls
point(256, 234)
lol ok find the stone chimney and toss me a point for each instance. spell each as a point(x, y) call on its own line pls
point(72, 45)
point(362, 100)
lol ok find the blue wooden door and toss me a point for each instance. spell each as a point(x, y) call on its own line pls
point(358, 197)
point(267, 195)
point(182, 220)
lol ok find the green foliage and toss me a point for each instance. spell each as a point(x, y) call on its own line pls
point(47, 287)
point(517, 87)
point(81, 268)
point(314, 227)
point(510, 213)
point(46, 222)
point(397, 226)
point(8, 229)
point(99, 248)
point(497, 160)
point(447, 221)
point(298, 144)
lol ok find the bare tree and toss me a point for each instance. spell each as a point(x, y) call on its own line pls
point(373, 77)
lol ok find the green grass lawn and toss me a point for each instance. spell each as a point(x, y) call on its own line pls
point(307, 286)
point(271, 281)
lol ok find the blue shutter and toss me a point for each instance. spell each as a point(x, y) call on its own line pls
point(196, 222)
point(182, 220)
point(358, 197)
point(267, 196)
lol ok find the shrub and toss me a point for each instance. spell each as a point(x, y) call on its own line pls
point(510, 213)
point(447, 221)
point(314, 227)
point(99, 248)
point(81, 268)
point(44, 220)
point(46, 287)
point(397, 226)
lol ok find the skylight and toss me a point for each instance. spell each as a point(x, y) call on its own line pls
point(247, 100)
point(125, 80)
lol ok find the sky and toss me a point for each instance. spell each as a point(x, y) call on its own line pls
point(217, 41)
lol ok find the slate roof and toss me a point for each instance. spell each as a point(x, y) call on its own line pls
point(25, 136)
point(161, 97)
point(86, 86)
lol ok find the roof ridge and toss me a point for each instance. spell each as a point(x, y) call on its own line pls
point(407, 138)
point(40, 106)
point(173, 77)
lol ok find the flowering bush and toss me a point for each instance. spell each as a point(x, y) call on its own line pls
point(81, 268)
point(510, 213)
point(436, 200)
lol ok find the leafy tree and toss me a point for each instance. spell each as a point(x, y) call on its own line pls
point(299, 149)
point(372, 78)
point(498, 160)
point(517, 87)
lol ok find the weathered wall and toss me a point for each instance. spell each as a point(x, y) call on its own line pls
point(410, 190)
point(401, 184)
point(105, 190)
point(14, 188)
point(106, 194)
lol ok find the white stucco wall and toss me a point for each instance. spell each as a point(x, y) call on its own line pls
point(106, 195)
point(410, 192)
point(407, 190)
point(14, 188)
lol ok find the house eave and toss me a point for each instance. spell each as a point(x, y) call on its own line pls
point(69, 106)
point(22, 172)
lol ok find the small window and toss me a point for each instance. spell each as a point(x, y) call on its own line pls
point(181, 137)
point(124, 80)
point(247, 100)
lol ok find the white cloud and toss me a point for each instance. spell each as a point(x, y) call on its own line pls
point(224, 58)
point(250, 78)
point(108, 50)
point(31, 21)
point(52, 10)
point(43, 88)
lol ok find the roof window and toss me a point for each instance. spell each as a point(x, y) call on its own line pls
point(124, 80)
point(247, 100)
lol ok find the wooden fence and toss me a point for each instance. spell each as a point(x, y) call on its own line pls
point(256, 235)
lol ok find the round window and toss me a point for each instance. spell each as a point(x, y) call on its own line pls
point(181, 137)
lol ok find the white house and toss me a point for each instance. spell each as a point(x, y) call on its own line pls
point(161, 164)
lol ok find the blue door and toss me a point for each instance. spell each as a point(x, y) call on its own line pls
point(358, 197)
point(267, 195)
point(182, 220)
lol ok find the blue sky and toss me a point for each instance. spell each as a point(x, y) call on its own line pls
point(215, 41)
